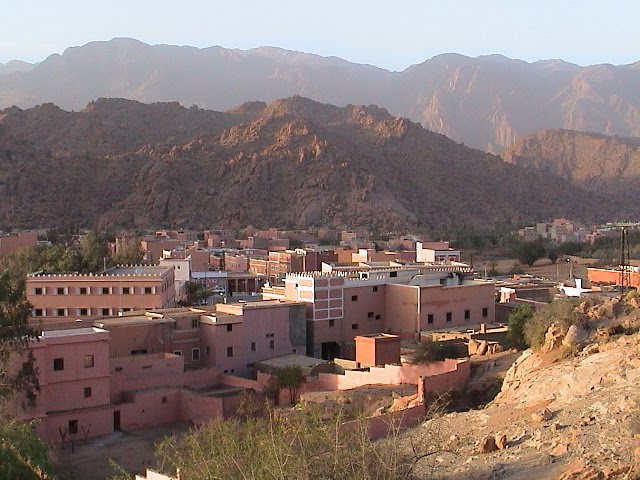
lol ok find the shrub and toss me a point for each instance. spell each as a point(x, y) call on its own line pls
point(430, 351)
point(517, 322)
point(561, 313)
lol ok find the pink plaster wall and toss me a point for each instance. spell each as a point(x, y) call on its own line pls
point(99, 421)
point(439, 377)
point(147, 408)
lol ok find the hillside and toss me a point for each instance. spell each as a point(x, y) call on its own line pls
point(294, 162)
point(599, 163)
point(485, 102)
point(563, 412)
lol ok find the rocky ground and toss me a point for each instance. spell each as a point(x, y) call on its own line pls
point(564, 412)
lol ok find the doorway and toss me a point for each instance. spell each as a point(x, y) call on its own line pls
point(116, 420)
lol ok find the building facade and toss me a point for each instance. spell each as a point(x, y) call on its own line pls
point(60, 297)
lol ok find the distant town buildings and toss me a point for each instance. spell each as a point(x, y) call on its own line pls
point(14, 242)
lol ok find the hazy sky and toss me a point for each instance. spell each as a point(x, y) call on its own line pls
point(389, 34)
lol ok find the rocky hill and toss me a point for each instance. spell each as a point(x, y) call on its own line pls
point(569, 411)
point(294, 162)
point(485, 102)
point(599, 163)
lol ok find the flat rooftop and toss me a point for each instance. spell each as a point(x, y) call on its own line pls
point(71, 332)
point(293, 360)
point(133, 320)
point(136, 270)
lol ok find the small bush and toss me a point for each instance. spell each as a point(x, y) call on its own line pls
point(562, 313)
point(517, 322)
point(430, 351)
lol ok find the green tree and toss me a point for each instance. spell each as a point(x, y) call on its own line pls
point(291, 378)
point(93, 251)
point(529, 252)
point(22, 454)
point(17, 378)
point(129, 252)
point(517, 322)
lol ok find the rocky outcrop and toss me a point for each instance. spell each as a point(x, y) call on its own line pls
point(562, 416)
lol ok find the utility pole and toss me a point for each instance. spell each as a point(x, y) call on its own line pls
point(625, 269)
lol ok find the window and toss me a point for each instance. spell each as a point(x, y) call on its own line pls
point(250, 365)
point(449, 316)
point(393, 274)
point(195, 323)
point(332, 323)
point(88, 361)
point(207, 350)
point(272, 344)
point(354, 298)
point(73, 427)
point(164, 399)
point(58, 364)
point(253, 346)
point(485, 312)
point(195, 354)
point(38, 291)
point(83, 290)
point(229, 327)
point(378, 317)
point(38, 312)
point(104, 291)
point(354, 326)
point(271, 335)
point(60, 291)
point(83, 312)
point(139, 351)
point(105, 311)
point(119, 369)
point(369, 314)
point(430, 318)
point(148, 290)
point(467, 314)
point(126, 290)
point(229, 352)
point(87, 392)
point(375, 288)
point(177, 352)
point(60, 312)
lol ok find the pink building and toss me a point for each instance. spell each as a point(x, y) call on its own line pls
point(150, 368)
point(60, 297)
point(400, 300)
point(17, 241)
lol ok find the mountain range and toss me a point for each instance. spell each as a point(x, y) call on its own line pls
point(484, 102)
point(607, 165)
point(291, 163)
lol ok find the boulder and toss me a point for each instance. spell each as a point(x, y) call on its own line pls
point(487, 444)
point(552, 339)
point(501, 441)
point(575, 337)
point(482, 348)
point(473, 346)
point(542, 416)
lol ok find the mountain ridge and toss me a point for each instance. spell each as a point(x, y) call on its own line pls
point(293, 162)
point(485, 102)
